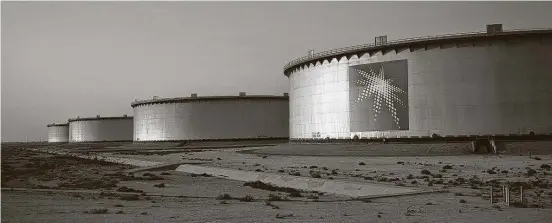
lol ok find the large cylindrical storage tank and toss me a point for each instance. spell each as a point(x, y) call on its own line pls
point(58, 132)
point(478, 84)
point(100, 129)
point(211, 118)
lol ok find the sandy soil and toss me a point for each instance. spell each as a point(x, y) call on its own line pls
point(471, 174)
point(78, 187)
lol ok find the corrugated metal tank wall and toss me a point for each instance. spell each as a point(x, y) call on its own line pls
point(100, 130)
point(212, 119)
point(480, 88)
point(58, 133)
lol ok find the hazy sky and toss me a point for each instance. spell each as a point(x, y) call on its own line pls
point(68, 59)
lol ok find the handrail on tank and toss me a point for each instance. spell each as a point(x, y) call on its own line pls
point(338, 51)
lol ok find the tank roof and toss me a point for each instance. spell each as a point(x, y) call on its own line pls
point(99, 118)
point(57, 124)
point(206, 98)
point(340, 52)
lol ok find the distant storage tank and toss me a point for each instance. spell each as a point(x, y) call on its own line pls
point(211, 118)
point(99, 129)
point(58, 132)
point(488, 83)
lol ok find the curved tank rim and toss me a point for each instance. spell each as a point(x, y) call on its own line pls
point(99, 118)
point(205, 98)
point(57, 124)
point(340, 52)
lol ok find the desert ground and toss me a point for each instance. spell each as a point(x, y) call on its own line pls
point(38, 186)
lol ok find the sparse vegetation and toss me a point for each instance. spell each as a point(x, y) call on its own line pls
point(295, 194)
point(247, 198)
point(269, 187)
point(531, 172)
point(97, 211)
point(129, 197)
point(312, 196)
point(130, 190)
point(517, 204)
point(315, 174)
point(275, 197)
point(224, 196)
point(268, 203)
point(282, 216)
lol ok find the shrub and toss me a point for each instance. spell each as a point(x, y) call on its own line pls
point(447, 167)
point(315, 174)
point(462, 201)
point(426, 172)
point(531, 172)
point(295, 194)
point(247, 198)
point(97, 211)
point(313, 197)
point(224, 197)
point(129, 197)
point(274, 197)
point(361, 163)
